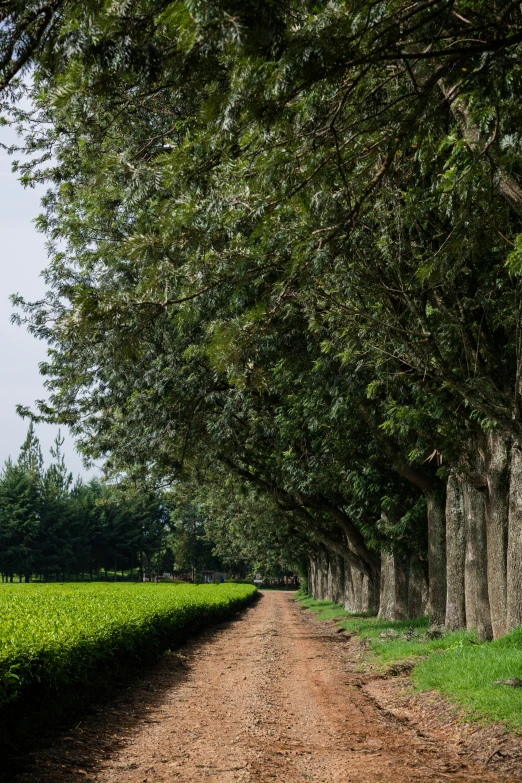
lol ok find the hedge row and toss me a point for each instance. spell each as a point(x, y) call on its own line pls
point(56, 635)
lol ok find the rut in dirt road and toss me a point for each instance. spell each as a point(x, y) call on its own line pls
point(271, 696)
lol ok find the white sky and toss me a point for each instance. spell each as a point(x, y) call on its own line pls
point(22, 258)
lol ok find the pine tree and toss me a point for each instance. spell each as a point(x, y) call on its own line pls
point(20, 505)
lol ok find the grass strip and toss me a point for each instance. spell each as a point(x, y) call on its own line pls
point(465, 671)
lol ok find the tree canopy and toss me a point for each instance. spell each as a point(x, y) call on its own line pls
point(284, 257)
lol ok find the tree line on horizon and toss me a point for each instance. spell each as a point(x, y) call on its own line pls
point(284, 276)
point(57, 528)
point(53, 527)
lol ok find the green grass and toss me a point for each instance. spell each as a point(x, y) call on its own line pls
point(455, 664)
point(389, 650)
point(393, 650)
point(467, 675)
point(325, 610)
point(57, 635)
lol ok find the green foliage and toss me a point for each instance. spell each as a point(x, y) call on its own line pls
point(56, 635)
point(248, 532)
point(192, 549)
point(278, 236)
point(51, 526)
point(19, 519)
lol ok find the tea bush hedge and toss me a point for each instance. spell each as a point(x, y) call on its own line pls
point(56, 635)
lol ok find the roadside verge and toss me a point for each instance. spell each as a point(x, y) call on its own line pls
point(447, 683)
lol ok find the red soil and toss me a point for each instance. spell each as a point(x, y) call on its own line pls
point(270, 696)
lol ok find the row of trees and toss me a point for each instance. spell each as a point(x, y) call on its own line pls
point(52, 527)
point(285, 253)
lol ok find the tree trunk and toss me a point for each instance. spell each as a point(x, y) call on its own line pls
point(478, 614)
point(331, 578)
point(455, 555)
point(435, 503)
point(312, 588)
point(349, 599)
point(401, 588)
point(325, 560)
point(417, 591)
point(338, 580)
point(497, 510)
point(514, 551)
point(371, 593)
point(319, 582)
point(354, 598)
point(387, 597)
point(358, 581)
point(393, 604)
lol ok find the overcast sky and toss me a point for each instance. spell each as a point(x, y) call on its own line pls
point(23, 256)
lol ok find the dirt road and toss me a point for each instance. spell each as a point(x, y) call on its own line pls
point(271, 696)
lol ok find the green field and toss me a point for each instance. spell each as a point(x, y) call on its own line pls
point(56, 635)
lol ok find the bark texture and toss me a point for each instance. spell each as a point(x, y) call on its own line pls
point(435, 503)
point(348, 601)
point(478, 615)
point(387, 596)
point(319, 569)
point(312, 575)
point(331, 577)
point(497, 509)
point(455, 555)
point(402, 573)
point(354, 598)
point(323, 574)
point(336, 579)
point(357, 582)
point(514, 551)
point(370, 593)
point(417, 592)
point(394, 587)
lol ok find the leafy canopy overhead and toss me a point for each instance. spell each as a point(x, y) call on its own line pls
point(283, 238)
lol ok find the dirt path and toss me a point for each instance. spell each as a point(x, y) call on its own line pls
point(271, 696)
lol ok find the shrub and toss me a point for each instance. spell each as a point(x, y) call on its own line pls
point(56, 635)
